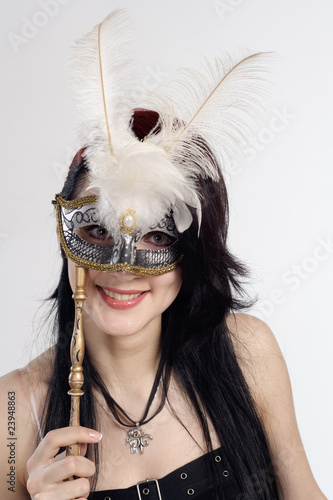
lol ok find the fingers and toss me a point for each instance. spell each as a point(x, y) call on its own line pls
point(47, 474)
point(69, 490)
point(50, 479)
point(58, 438)
point(63, 469)
point(83, 449)
point(60, 456)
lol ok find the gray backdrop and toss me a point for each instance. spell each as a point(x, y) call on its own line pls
point(280, 190)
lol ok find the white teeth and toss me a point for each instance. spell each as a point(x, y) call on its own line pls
point(120, 296)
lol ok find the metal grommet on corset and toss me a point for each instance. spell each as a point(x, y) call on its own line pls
point(225, 473)
point(217, 458)
point(107, 498)
point(183, 475)
point(145, 491)
point(190, 491)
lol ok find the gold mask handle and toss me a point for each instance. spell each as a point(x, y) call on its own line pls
point(76, 378)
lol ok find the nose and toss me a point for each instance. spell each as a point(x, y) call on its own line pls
point(127, 254)
point(123, 276)
point(125, 250)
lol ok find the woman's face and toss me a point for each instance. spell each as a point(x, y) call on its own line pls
point(121, 303)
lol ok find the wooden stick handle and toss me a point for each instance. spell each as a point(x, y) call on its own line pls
point(76, 378)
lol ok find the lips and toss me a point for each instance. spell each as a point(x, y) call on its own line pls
point(121, 296)
point(117, 299)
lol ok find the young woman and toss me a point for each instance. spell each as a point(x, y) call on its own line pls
point(191, 396)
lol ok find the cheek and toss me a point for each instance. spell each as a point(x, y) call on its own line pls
point(170, 283)
point(178, 278)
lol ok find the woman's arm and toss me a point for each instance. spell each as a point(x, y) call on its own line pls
point(28, 471)
point(17, 437)
point(266, 374)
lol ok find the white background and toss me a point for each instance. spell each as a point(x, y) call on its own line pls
point(280, 192)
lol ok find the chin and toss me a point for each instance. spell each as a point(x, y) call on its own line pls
point(120, 323)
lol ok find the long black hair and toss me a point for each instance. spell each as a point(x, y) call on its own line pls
point(196, 343)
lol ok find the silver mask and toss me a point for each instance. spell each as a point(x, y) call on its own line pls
point(85, 240)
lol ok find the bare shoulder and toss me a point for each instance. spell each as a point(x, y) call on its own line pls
point(39, 370)
point(251, 334)
point(22, 396)
point(260, 358)
point(30, 382)
point(266, 374)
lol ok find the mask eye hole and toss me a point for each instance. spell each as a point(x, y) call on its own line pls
point(95, 234)
point(155, 240)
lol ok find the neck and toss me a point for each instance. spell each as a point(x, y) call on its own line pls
point(125, 362)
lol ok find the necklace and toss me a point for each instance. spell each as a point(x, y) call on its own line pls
point(136, 436)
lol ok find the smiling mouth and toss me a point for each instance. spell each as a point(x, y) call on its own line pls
point(121, 296)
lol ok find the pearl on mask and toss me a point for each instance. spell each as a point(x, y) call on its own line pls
point(127, 221)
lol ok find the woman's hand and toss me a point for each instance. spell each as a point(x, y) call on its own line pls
point(47, 474)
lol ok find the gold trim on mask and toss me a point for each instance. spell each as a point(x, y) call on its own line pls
point(96, 266)
point(77, 203)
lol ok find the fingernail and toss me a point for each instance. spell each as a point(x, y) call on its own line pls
point(95, 435)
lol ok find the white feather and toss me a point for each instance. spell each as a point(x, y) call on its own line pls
point(145, 180)
point(214, 108)
point(221, 104)
point(102, 99)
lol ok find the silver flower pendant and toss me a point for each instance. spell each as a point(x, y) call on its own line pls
point(137, 439)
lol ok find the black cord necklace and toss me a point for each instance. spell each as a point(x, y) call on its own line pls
point(137, 438)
